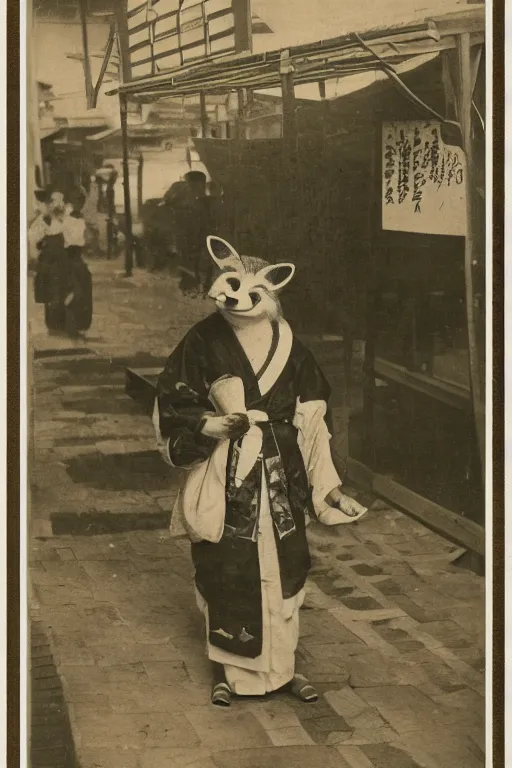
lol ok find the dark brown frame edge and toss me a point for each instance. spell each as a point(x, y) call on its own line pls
point(13, 370)
point(13, 390)
point(498, 387)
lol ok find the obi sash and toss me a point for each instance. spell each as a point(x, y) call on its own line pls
point(243, 503)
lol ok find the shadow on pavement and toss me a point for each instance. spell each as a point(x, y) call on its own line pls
point(140, 471)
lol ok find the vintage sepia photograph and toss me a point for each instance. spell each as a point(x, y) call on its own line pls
point(258, 345)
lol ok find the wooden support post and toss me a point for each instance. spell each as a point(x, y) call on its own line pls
point(89, 90)
point(290, 153)
point(369, 355)
point(238, 165)
point(140, 186)
point(240, 115)
point(104, 63)
point(121, 13)
point(243, 25)
point(204, 115)
point(470, 256)
point(288, 94)
point(128, 253)
point(243, 42)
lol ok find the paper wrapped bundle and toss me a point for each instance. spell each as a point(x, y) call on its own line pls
point(227, 395)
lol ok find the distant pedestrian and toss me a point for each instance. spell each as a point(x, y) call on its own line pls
point(78, 300)
point(50, 281)
point(196, 224)
point(171, 226)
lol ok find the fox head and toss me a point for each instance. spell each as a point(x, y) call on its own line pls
point(247, 286)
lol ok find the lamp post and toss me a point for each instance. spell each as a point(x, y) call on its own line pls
point(128, 244)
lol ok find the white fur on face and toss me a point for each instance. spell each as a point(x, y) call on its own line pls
point(241, 293)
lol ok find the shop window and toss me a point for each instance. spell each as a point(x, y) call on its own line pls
point(420, 312)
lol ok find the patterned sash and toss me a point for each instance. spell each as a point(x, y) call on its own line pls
point(243, 504)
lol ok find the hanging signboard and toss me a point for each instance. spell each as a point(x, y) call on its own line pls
point(423, 180)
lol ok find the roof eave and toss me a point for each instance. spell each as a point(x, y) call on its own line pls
point(313, 62)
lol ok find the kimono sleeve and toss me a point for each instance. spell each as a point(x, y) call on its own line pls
point(181, 404)
point(314, 429)
point(311, 383)
point(36, 233)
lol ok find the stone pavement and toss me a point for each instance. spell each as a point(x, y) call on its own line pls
point(95, 463)
point(51, 741)
point(391, 632)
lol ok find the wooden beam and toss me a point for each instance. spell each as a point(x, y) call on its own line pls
point(290, 141)
point(289, 105)
point(450, 394)
point(243, 25)
point(447, 523)
point(204, 115)
point(328, 59)
point(128, 253)
point(104, 64)
point(121, 11)
point(240, 115)
point(140, 185)
point(465, 89)
point(373, 219)
point(89, 91)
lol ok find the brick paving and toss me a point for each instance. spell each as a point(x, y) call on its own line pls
point(51, 744)
point(391, 632)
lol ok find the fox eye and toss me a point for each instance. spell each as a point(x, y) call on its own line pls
point(233, 283)
point(255, 298)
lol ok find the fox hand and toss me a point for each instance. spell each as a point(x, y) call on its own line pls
point(345, 504)
point(230, 427)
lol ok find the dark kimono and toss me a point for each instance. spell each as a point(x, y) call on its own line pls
point(62, 271)
point(227, 573)
point(51, 280)
point(79, 283)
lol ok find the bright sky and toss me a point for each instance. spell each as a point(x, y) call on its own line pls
point(305, 21)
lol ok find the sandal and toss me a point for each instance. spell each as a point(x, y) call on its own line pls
point(302, 689)
point(221, 695)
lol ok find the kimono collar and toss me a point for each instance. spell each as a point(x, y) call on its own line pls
point(273, 367)
point(279, 359)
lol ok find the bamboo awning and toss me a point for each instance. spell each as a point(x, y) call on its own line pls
point(314, 62)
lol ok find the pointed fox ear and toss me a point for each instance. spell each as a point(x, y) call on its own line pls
point(223, 254)
point(277, 275)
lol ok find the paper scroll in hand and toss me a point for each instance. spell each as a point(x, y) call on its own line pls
point(227, 394)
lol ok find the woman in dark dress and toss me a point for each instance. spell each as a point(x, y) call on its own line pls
point(63, 281)
point(51, 277)
point(78, 299)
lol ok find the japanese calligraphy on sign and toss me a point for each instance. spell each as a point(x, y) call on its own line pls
point(423, 180)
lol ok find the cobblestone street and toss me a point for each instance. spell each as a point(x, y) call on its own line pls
point(392, 633)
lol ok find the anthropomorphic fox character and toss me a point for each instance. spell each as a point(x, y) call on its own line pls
point(241, 404)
